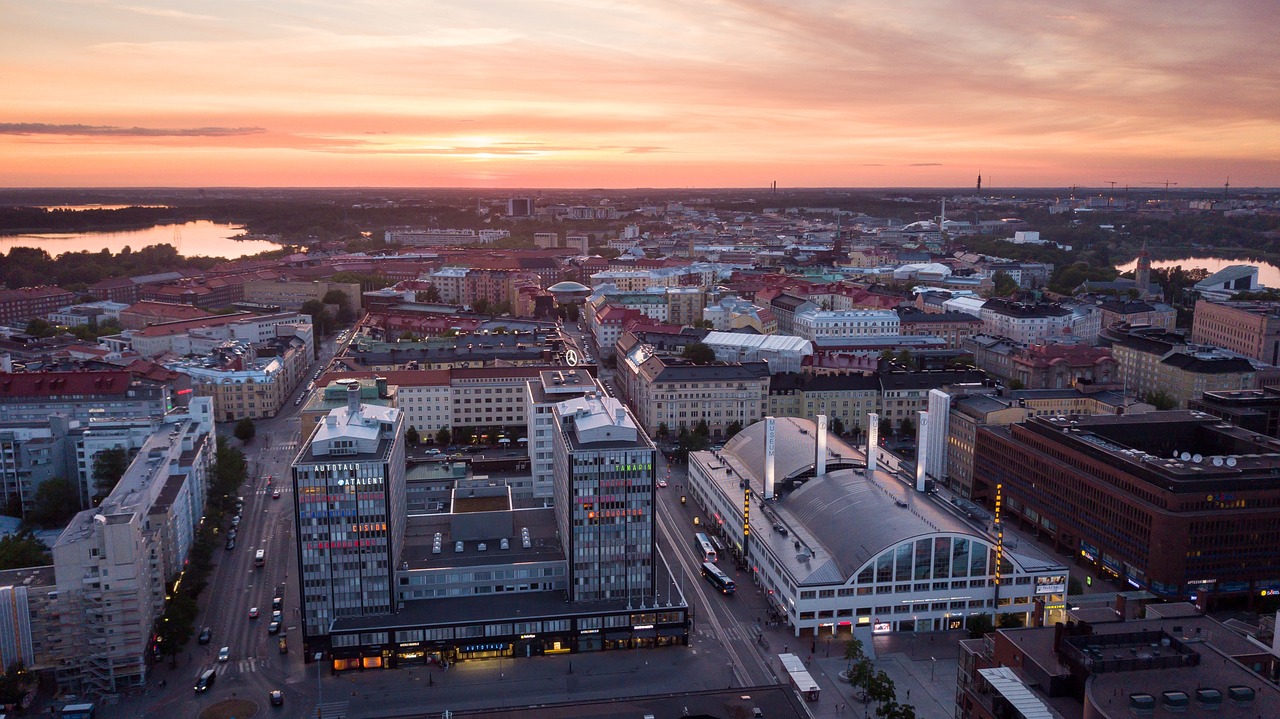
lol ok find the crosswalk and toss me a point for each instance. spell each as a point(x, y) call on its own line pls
point(332, 710)
point(248, 665)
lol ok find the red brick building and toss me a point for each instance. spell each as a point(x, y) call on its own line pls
point(27, 303)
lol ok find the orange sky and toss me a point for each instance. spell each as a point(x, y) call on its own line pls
point(671, 93)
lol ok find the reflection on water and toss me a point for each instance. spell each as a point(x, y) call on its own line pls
point(1268, 275)
point(202, 237)
point(81, 208)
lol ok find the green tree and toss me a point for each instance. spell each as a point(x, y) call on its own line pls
point(1004, 284)
point(245, 430)
point(980, 625)
point(732, 429)
point(320, 317)
point(480, 306)
point(904, 358)
point(881, 690)
point(444, 436)
point(109, 466)
point(38, 327)
point(56, 501)
point(343, 302)
point(699, 353)
point(1012, 621)
point(431, 294)
point(14, 683)
point(1160, 399)
point(411, 436)
point(837, 426)
point(1016, 384)
point(885, 426)
point(663, 430)
point(906, 427)
point(23, 550)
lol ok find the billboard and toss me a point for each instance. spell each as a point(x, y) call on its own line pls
point(1051, 584)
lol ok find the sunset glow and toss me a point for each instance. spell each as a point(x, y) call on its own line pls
point(671, 93)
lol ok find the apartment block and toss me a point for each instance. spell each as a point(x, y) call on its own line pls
point(1248, 328)
point(28, 303)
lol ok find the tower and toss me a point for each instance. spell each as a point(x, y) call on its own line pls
point(979, 182)
point(1142, 273)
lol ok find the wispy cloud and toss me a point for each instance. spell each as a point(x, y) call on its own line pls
point(43, 128)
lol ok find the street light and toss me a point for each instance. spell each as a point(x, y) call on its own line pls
point(319, 690)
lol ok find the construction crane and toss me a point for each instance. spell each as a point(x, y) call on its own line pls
point(1166, 184)
point(1113, 185)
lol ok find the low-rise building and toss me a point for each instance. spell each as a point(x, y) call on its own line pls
point(952, 327)
point(673, 394)
point(811, 323)
point(782, 352)
point(19, 306)
point(1165, 364)
point(248, 380)
point(81, 395)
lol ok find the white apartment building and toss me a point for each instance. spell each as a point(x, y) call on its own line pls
point(113, 563)
point(543, 393)
point(451, 283)
point(811, 323)
point(1025, 323)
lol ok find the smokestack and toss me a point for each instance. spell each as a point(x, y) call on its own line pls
point(820, 461)
point(873, 441)
point(353, 398)
point(922, 448)
point(769, 429)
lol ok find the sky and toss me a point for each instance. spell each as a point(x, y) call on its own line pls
point(642, 93)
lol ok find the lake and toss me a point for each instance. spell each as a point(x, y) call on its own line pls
point(1268, 275)
point(202, 237)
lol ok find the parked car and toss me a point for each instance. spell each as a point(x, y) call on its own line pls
point(231, 544)
point(273, 628)
point(277, 602)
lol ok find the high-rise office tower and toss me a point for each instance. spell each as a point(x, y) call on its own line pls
point(349, 485)
point(604, 490)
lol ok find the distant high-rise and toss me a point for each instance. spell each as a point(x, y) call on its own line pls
point(350, 489)
point(520, 207)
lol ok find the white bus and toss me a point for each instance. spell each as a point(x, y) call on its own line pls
point(260, 558)
point(702, 545)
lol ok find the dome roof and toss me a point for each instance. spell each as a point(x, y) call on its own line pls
point(568, 286)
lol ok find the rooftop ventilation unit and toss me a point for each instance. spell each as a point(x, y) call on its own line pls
point(482, 547)
point(504, 544)
point(457, 547)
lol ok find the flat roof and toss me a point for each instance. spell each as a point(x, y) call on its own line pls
point(420, 531)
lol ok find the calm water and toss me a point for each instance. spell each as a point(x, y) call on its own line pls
point(1268, 275)
point(202, 237)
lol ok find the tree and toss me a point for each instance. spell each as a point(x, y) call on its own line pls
point(837, 426)
point(431, 294)
point(23, 550)
point(1012, 621)
point(732, 429)
point(699, 353)
point(663, 430)
point(245, 430)
point(109, 466)
point(14, 683)
point(443, 436)
point(980, 625)
point(480, 306)
point(906, 427)
point(1005, 285)
point(1016, 384)
point(886, 426)
point(57, 500)
point(904, 358)
point(40, 328)
point(411, 436)
point(339, 298)
point(881, 690)
point(320, 317)
point(1160, 400)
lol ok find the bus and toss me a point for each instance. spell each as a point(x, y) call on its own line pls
point(718, 579)
point(79, 711)
point(260, 558)
point(703, 546)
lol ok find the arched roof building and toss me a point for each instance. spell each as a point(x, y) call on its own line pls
point(838, 548)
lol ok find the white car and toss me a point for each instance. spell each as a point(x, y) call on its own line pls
point(224, 654)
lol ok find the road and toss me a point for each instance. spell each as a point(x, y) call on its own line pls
point(256, 665)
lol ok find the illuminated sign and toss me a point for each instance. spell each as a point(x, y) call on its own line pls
point(881, 627)
point(643, 626)
point(999, 533)
point(528, 636)
point(1051, 584)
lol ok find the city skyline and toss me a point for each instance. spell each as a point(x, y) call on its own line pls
point(594, 93)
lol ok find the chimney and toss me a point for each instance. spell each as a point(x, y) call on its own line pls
point(769, 429)
point(353, 398)
point(382, 386)
point(1122, 603)
point(820, 461)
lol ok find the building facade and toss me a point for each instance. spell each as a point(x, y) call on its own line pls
point(1249, 328)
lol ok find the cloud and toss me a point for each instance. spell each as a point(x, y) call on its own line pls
point(43, 128)
point(925, 164)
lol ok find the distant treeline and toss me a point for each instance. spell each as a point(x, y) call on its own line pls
point(21, 220)
point(30, 266)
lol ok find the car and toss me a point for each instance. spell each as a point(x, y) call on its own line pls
point(231, 534)
point(206, 635)
point(276, 697)
point(235, 521)
point(297, 402)
point(277, 602)
point(231, 544)
point(224, 654)
point(432, 452)
point(277, 616)
point(275, 494)
point(253, 612)
point(662, 483)
point(273, 628)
